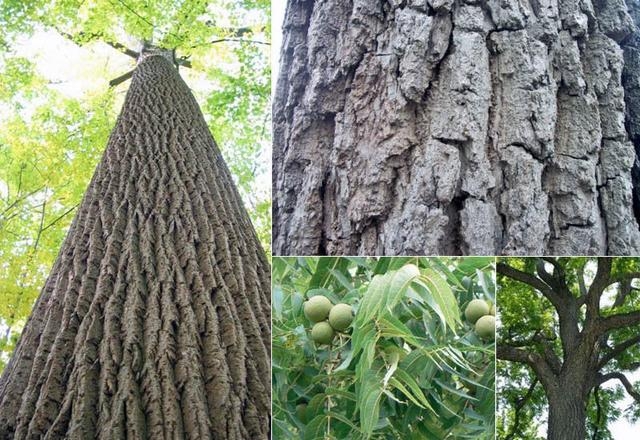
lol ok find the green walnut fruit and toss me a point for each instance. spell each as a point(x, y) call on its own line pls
point(466, 282)
point(317, 308)
point(301, 412)
point(340, 317)
point(475, 309)
point(492, 311)
point(486, 327)
point(322, 333)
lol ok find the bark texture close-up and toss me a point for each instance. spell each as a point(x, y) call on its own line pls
point(458, 127)
point(155, 320)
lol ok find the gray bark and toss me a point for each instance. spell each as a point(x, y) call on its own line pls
point(155, 320)
point(457, 127)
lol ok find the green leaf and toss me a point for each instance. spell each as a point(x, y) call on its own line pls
point(406, 379)
point(369, 403)
point(398, 282)
point(373, 299)
point(440, 291)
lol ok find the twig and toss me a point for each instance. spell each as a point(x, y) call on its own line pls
point(598, 412)
point(40, 229)
point(239, 40)
point(519, 405)
point(135, 13)
point(59, 218)
point(114, 44)
point(232, 40)
point(20, 199)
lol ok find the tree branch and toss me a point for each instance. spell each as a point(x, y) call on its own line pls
point(624, 289)
point(581, 285)
point(617, 350)
point(554, 281)
point(130, 9)
point(53, 222)
point(235, 32)
point(619, 321)
point(625, 383)
point(518, 406)
point(600, 282)
point(93, 36)
point(627, 276)
point(41, 227)
point(509, 353)
point(122, 78)
point(539, 365)
point(598, 413)
point(558, 270)
point(239, 40)
point(20, 199)
point(523, 277)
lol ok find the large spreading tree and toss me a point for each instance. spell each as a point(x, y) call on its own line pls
point(458, 127)
point(154, 321)
point(569, 328)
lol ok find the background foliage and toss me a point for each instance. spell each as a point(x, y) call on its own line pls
point(52, 133)
point(410, 368)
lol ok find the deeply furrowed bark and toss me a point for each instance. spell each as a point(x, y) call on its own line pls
point(155, 320)
point(457, 127)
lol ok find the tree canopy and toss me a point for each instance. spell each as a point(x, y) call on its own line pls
point(408, 367)
point(53, 131)
point(568, 323)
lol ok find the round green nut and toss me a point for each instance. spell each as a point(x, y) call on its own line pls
point(340, 317)
point(301, 412)
point(486, 327)
point(492, 311)
point(475, 309)
point(322, 333)
point(317, 308)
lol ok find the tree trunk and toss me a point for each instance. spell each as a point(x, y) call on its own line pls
point(155, 320)
point(568, 392)
point(567, 417)
point(466, 127)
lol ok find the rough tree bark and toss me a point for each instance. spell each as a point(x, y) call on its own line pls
point(155, 320)
point(457, 127)
point(585, 362)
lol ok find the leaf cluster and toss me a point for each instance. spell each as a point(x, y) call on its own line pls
point(410, 367)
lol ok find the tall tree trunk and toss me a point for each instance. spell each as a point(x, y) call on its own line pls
point(454, 127)
point(155, 320)
point(567, 417)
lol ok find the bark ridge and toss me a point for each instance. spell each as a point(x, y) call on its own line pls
point(155, 320)
point(457, 127)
